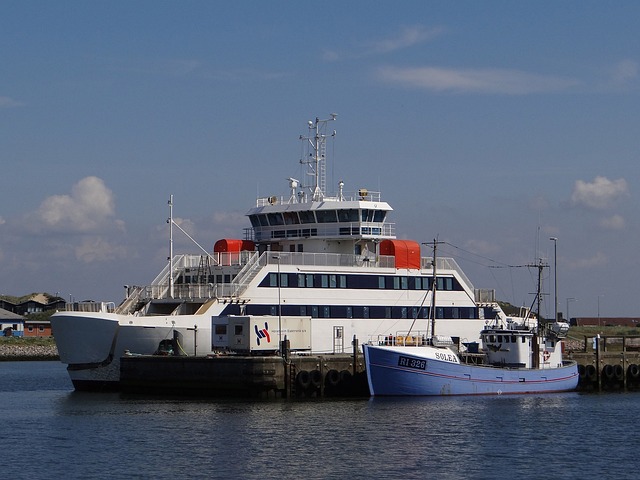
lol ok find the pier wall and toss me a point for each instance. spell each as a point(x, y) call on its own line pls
point(608, 364)
point(245, 376)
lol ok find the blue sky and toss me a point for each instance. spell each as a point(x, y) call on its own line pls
point(492, 126)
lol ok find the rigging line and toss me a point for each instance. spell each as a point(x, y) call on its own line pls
point(499, 264)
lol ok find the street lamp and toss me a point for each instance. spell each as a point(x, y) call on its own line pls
point(555, 275)
point(570, 299)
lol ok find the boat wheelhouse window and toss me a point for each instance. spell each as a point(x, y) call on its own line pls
point(326, 216)
point(499, 338)
point(367, 215)
point(404, 283)
point(306, 216)
point(333, 281)
point(342, 281)
point(238, 330)
point(381, 282)
point(378, 216)
point(254, 221)
point(291, 218)
point(275, 219)
point(348, 215)
point(324, 281)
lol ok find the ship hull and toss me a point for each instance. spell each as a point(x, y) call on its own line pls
point(428, 371)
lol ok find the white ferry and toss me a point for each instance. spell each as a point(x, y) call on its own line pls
point(315, 269)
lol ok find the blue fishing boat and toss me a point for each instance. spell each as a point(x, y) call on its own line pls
point(515, 355)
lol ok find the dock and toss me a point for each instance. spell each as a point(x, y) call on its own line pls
point(272, 376)
point(608, 363)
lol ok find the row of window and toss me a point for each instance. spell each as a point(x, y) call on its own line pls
point(374, 282)
point(343, 311)
point(313, 232)
point(349, 215)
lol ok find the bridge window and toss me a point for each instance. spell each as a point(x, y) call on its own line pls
point(306, 216)
point(326, 216)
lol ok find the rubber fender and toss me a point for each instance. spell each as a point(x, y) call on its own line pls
point(303, 379)
point(332, 379)
point(633, 371)
point(619, 372)
point(592, 374)
point(316, 378)
point(608, 372)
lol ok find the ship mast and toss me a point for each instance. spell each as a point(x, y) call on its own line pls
point(170, 221)
point(316, 158)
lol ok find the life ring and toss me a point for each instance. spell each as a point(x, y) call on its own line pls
point(546, 355)
point(303, 379)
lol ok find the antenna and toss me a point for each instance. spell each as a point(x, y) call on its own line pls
point(315, 158)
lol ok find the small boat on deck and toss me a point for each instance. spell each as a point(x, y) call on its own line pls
point(516, 356)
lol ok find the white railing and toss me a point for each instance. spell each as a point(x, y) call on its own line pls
point(446, 263)
point(346, 197)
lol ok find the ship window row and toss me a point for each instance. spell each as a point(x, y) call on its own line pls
point(359, 311)
point(349, 215)
point(505, 339)
point(313, 232)
point(375, 282)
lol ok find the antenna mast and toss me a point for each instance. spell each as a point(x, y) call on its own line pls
point(316, 158)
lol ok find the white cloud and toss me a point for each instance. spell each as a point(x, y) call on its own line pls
point(597, 260)
point(614, 222)
point(407, 37)
point(600, 194)
point(88, 208)
point(489, 81)
point(97, 249)
point(6, 102)
point(625, 72)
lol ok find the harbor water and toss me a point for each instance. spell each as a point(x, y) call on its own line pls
point(50, 431)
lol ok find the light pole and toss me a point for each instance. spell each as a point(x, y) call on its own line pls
point(572, 299)
point(602, 295)
point(277, 257)
point(555, 275)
